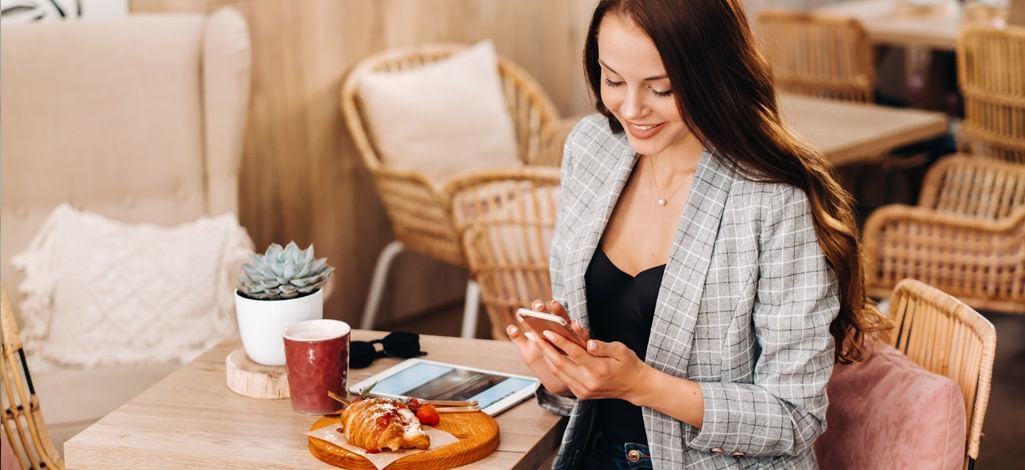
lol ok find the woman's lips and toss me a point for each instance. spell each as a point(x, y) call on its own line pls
point(644, 131)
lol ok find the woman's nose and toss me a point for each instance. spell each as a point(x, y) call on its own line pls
point(633, 105)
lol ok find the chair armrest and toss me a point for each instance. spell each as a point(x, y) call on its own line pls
point(896, 213)
point(475, 194)
point(419, 213)
point(963, 256)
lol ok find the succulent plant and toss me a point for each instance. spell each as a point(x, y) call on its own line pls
point(283, 273)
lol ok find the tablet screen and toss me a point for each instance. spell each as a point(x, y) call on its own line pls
point(435, 381)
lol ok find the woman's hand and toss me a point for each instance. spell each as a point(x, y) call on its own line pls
point(604, 370)
point(528, 342)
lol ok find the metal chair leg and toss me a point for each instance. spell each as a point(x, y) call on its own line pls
point(470, 309)
point(384, 261)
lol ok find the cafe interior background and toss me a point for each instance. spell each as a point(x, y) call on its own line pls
point(302, 175)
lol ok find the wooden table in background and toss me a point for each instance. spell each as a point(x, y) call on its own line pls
point(849, 132)
point(886, 25)
point(191, 420)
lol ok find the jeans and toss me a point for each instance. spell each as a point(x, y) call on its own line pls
point(605, 454)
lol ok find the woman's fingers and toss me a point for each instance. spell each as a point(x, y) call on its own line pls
point(561, 366)
point(552, 355)
point(515, 334)
point(558, 309)
point(602, 349)
point(519, 338)
point(538, 305)
point(580, 331)
point(572, 350)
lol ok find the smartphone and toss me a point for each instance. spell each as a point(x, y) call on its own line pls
point(540, 321)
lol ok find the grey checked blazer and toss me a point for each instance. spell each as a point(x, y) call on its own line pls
point(744, 309)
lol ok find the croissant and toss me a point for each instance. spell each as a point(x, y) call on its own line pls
point(378, 424)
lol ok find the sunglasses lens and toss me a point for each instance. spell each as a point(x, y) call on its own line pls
point(402, 344)
point(361, 354)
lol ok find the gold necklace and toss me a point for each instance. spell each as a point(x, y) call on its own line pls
point(662, 201)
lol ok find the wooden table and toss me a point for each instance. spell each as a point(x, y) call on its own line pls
point(885, 23)
point(848, 132)
point(191, 420)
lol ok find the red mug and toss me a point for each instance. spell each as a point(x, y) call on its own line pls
point(317, 361)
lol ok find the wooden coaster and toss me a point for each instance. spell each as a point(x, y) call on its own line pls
point(477, 433)
point(248, 378)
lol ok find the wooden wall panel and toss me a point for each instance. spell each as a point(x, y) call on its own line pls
point(301, 178)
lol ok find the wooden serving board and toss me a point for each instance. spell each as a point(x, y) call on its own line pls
point(477, 433)
point(248, 378)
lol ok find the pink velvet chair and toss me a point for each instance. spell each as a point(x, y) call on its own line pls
point(8, 461)
point(919, 401)
point(888, 412)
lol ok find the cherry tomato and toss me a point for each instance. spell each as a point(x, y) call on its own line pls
point(428, 415)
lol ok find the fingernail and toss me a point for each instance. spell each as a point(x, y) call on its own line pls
point(530, 336)
point(511, 330)
point(591, 345)
point(549, 335)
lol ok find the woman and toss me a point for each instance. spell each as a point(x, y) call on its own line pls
point(708, 252)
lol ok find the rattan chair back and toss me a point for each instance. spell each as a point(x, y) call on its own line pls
point(509, 224)
point(22, 418)
point(942, 334)
point(818, 55)
point(966, 237)
point(419, 210)
point(975, 187)
point(991, 72)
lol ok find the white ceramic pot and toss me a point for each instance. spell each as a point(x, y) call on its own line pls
point(262, 322)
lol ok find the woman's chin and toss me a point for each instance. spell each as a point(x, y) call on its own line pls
point(645, 147)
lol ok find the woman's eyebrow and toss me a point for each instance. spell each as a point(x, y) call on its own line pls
point(606, 67)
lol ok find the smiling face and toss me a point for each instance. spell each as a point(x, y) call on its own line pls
point(636, 89)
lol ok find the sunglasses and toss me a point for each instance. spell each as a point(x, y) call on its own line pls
point(396, 344)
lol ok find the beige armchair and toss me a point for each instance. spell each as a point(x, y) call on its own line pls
point(966, 236)
point(507, 223)
point(420, 211)
point(139, 119)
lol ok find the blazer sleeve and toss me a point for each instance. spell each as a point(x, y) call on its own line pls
point(556, 403)
point(557, 253)
point(784, 410)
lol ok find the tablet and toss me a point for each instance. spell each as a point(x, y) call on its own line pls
point(494, 391)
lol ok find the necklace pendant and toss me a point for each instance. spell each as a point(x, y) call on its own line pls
point(661, 201)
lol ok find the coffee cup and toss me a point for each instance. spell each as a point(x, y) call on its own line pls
point(317, 362)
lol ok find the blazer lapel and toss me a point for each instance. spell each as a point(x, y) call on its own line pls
point(676, 311)
point(607, 193)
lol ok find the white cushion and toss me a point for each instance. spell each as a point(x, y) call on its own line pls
point(103, 292)
point(444, 118)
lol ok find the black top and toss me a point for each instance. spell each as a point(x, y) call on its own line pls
point(621, 308)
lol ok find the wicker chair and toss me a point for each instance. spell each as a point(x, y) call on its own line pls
point(507, 225)
point(966, 237)
point(818, 55)
point(420, 210)
point(942, 334)
point(991, 71)
point(22, 417)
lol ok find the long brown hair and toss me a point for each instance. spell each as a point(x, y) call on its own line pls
point(727, 97)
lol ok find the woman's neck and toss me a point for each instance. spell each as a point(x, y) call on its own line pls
point(681, 158)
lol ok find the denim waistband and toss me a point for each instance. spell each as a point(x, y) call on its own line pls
point(609, 454)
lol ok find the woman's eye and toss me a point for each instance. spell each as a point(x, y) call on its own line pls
point(612, 83)
point(661, 94)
